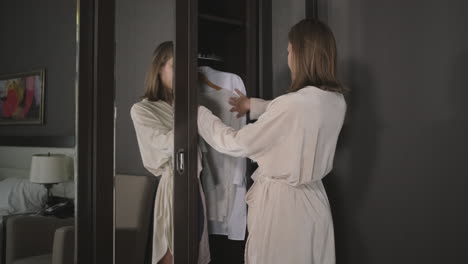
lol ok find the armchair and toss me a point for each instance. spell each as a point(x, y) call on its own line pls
point(39, 240)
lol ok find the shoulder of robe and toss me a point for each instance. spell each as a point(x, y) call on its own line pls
point(284, 103)
point(143, 110)
point(138, 109)
point(145, 105)
point(318, 98)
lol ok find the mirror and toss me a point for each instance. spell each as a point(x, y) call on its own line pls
point(38, 77)
point(143, 131)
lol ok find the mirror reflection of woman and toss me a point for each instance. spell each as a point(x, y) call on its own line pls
point(293, 141)
point(153, 119)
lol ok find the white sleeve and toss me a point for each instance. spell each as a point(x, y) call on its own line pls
point(257, 107)
point(253, 140)
point(156, 142)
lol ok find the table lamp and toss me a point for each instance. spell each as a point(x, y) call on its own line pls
point(49, 169)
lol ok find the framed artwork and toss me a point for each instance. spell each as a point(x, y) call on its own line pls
point(22, 98)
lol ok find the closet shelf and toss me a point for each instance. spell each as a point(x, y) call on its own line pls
point(211, 58)
point(222, 20)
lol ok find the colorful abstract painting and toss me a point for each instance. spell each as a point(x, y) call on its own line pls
point(22, 98)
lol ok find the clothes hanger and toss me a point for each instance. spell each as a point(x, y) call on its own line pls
point(202, 77)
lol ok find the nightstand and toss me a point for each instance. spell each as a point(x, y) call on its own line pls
point(59, 207)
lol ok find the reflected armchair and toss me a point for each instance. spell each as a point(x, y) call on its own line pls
point(39, 240)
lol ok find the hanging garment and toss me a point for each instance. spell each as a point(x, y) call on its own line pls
point(226, 80)
point(153, 123)
point(223, 176)
point(294, 143)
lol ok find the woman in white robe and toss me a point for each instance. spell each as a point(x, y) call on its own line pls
point(293, 141)
point(153, 118)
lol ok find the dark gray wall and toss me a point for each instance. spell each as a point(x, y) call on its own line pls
point(140, 26)
point(37, 34)
point(398, 190)
point(284, 15)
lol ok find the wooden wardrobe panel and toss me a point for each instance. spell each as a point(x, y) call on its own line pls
point(186, 134)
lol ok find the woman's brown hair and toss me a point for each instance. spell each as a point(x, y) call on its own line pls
point(154, 88)
point(314, 56)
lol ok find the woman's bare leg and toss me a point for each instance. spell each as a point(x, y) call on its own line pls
point(167, 259)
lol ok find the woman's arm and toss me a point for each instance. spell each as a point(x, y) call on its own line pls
point(253, 140)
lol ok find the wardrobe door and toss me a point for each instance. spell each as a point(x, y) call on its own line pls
point(185, 132)
point(144, 30)
point(95, 163)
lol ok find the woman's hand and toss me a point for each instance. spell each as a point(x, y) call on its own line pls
point(240, 104)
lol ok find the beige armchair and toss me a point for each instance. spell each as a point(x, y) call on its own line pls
point(50, 240)
point(134, 202)
point(39, 240)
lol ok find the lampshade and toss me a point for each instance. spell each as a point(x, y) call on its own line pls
point(50, 168)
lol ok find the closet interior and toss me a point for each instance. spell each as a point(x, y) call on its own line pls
point(227, 38)
point(228, 42)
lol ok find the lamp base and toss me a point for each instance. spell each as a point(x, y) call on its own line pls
point(48, 186)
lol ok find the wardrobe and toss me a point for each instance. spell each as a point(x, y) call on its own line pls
point(231, 35)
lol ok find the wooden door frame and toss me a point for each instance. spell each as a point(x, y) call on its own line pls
point(94, 242)
point(95, 130)
point(252, 49)
point(265, 60)
point(186, 193)
point(311, 7)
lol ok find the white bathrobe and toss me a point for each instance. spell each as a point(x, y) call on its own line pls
point(293, 142)
point(153, 123)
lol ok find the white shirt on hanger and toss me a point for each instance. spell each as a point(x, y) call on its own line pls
point(223, 176)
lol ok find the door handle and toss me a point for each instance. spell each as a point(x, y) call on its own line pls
point(180, 165)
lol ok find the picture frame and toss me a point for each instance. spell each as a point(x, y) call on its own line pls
point(22, 98)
